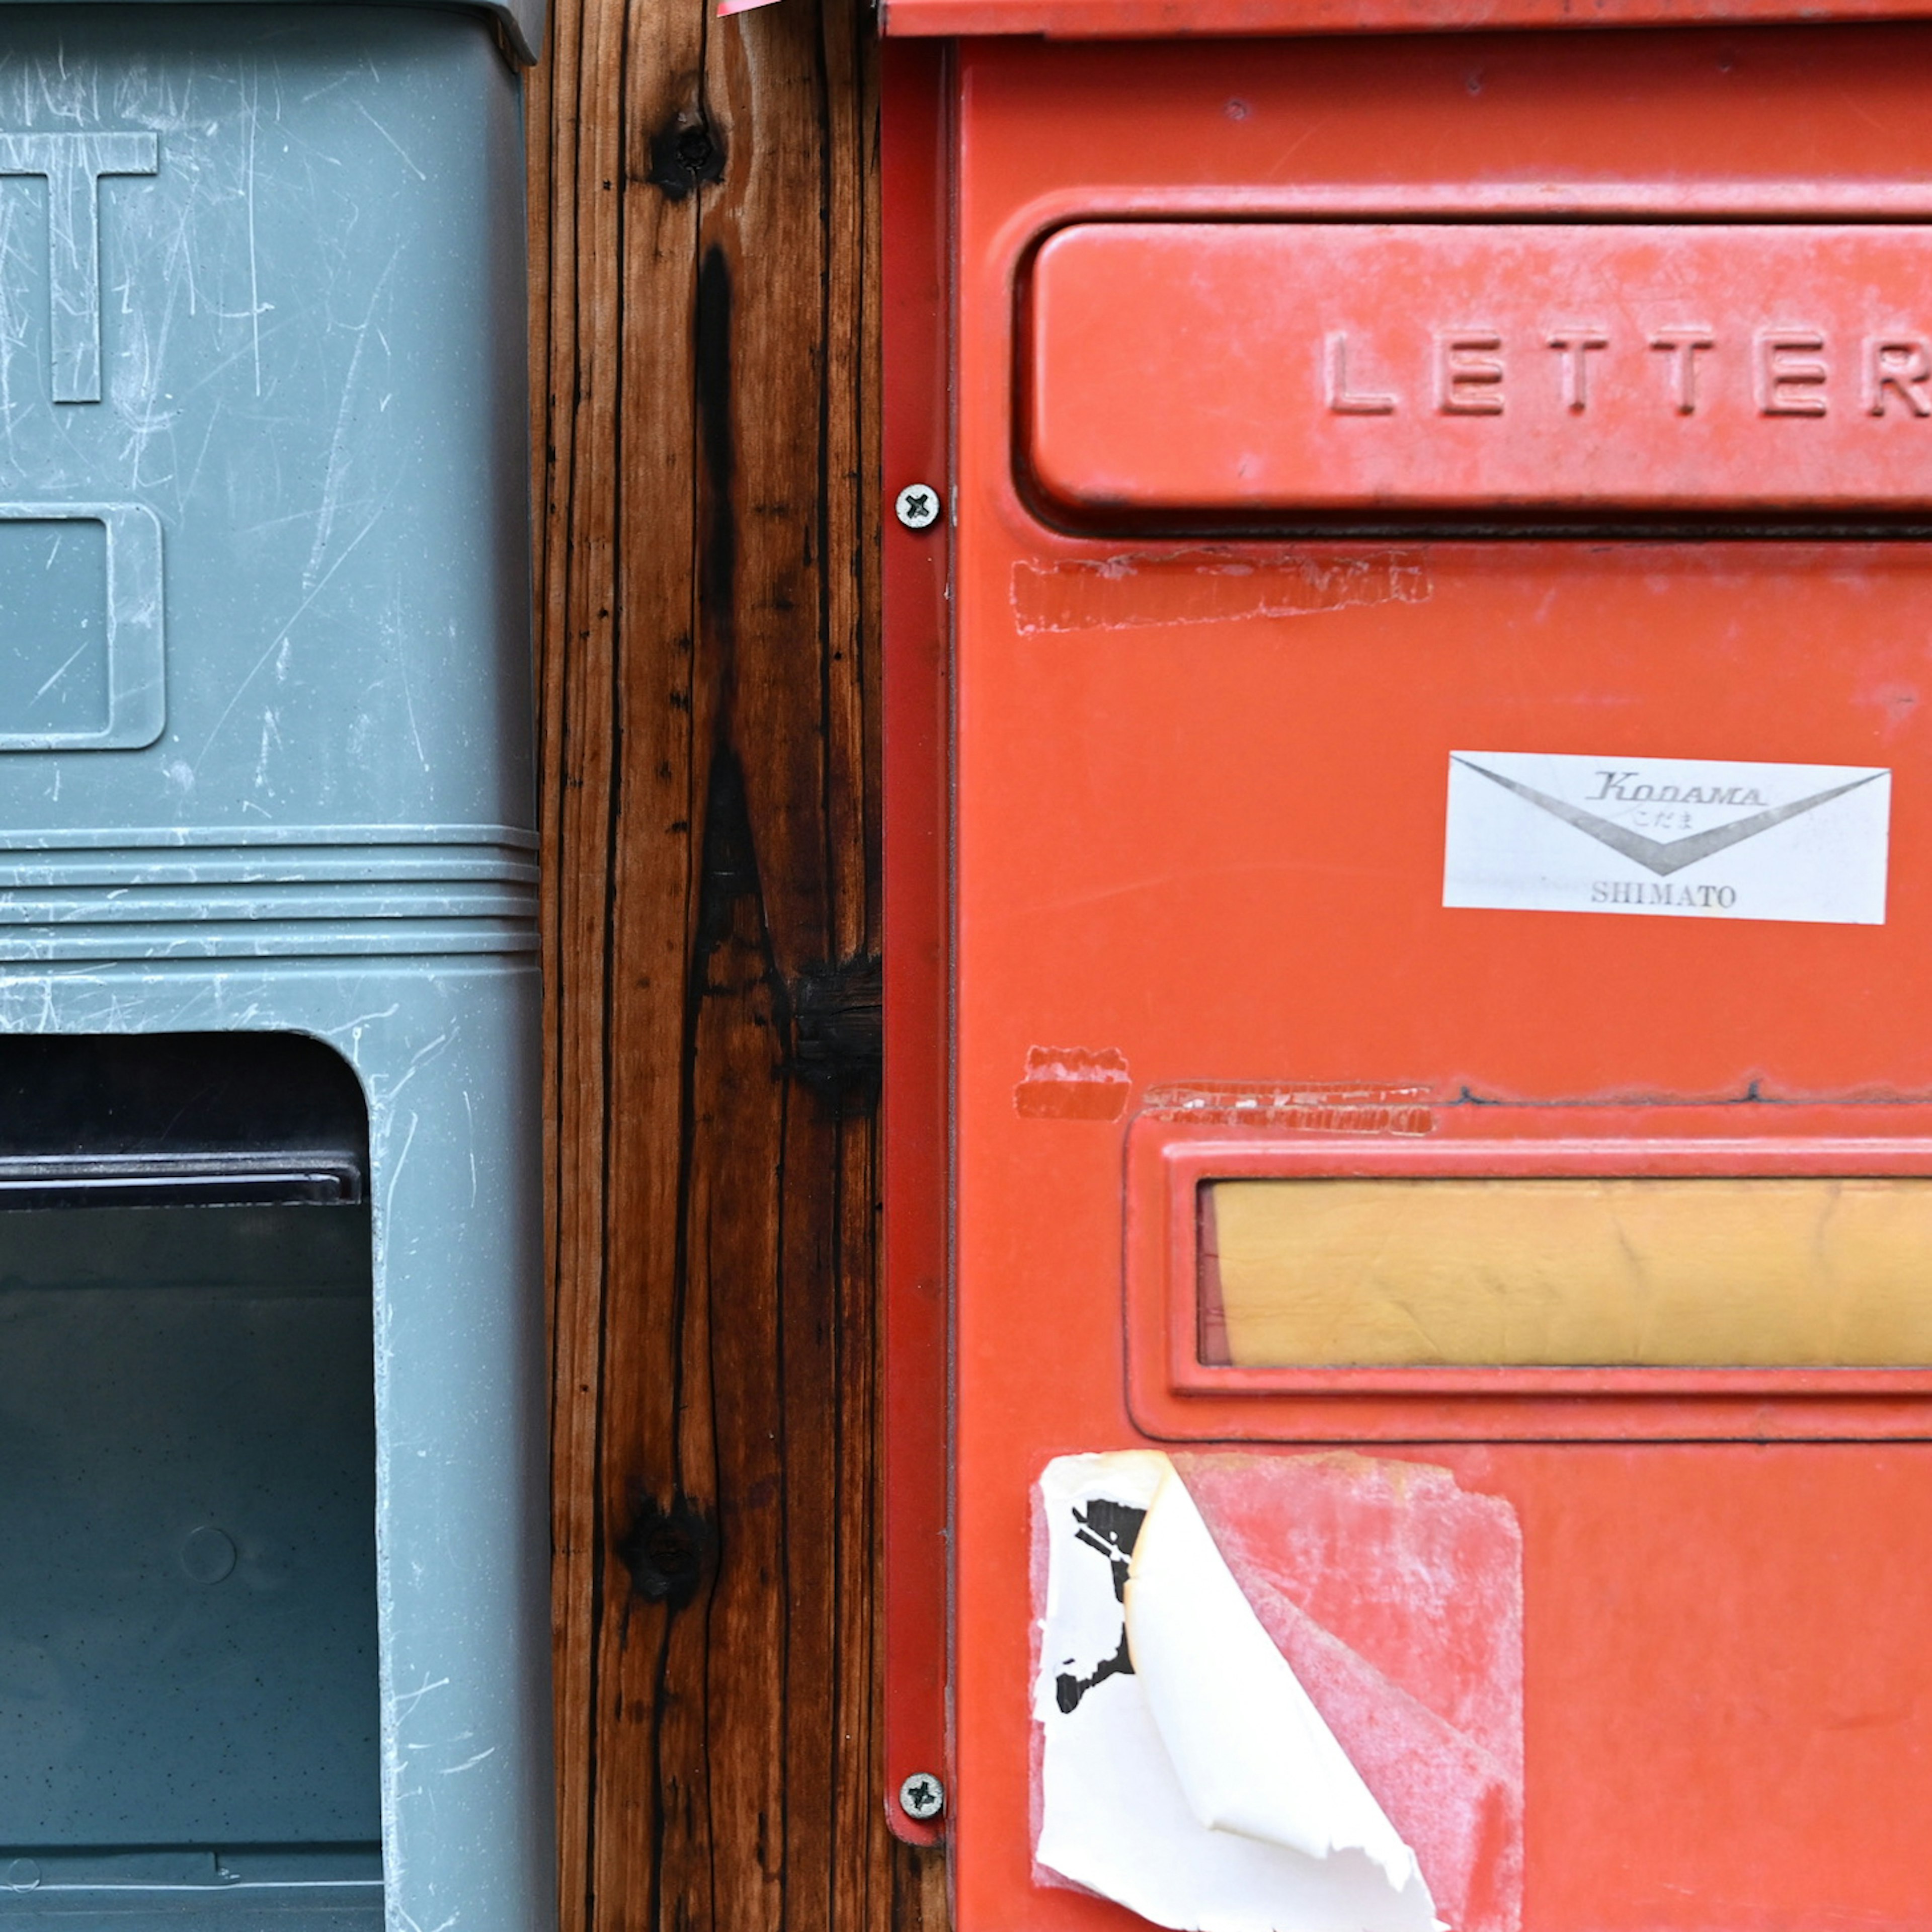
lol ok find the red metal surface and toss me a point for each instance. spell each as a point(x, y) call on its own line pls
point(1159, 19)
point(1199, 838)
point(915, 1102)
point(1442, 366)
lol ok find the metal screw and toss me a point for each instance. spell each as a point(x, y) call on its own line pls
point(918, 507)
point(922, 1796)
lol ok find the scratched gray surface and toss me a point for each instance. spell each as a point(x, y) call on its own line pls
point(265, 762)
point(308, 317)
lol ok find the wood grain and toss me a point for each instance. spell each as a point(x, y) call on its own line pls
point(704, 358)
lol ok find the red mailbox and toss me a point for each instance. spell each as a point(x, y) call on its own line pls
point(1409, 971)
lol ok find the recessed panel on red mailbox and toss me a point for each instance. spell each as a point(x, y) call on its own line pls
point(1442, 1129)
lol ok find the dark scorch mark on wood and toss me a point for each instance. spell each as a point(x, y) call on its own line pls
point(686, 155)
point(838, 1034)
point(668, 1551)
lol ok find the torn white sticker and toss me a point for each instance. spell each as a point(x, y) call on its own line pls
point(1679, 838)
point(1185, 1773)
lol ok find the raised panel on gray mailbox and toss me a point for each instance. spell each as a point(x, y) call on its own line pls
point(261, 307)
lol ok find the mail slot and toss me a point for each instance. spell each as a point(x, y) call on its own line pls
point(1409, 1112)
point(274, 1597)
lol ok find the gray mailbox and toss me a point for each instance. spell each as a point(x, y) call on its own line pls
point(274, 1599)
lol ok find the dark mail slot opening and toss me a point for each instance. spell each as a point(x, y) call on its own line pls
point(157, 1119)
point(188, 1666)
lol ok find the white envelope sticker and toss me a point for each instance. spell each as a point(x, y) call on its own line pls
point(1676, 838)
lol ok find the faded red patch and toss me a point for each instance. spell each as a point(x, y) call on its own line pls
point(1348, 1107)
point(1209, 586)
point(1396, 1597)
point(1073, 1083)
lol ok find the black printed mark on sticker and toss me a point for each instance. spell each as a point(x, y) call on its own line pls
point(1111, 1528)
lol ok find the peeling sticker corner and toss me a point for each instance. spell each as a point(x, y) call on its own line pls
point(1345, 1107)
point(1279, 1690)
point(1073, 1083)
point(1216, 585)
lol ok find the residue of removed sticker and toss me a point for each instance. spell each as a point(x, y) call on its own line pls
point(1368, 1107)
point(1208, 586)
point(1397, 1597)
point(1073, 1083)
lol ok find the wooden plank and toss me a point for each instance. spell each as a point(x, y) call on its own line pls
point(705, 254)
